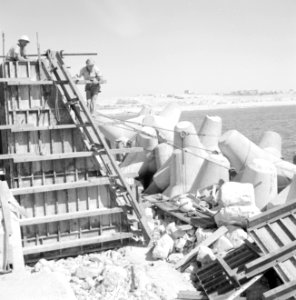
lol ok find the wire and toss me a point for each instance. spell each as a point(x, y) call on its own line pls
point(155, 127)
point(180, 148)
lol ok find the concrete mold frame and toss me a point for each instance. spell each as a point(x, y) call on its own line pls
point(51, 170)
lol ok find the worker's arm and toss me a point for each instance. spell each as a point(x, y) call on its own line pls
point(18, 57)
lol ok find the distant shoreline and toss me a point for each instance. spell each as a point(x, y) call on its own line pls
point(128, 109)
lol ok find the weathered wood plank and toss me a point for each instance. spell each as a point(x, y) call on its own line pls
point(77, 243)
point(60, 186)
point(282, 292)
point(266, 262)
point(70, 216)
point(57, 156)
point(270, 215)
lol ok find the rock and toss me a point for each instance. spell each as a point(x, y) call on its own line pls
point(174, 231)
point(235, 193)
point(202, 234)
point(114, 277)
point(175, 257)
point(222, 245)
point(185, 204)
point(236, 215)
point(84, 272)
point(205, 255)
point(149, 213)
point(236, 235)
point(164, 246)
point(180, 243)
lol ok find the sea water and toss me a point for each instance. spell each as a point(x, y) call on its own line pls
point(252, 122)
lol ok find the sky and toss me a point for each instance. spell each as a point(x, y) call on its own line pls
point(166, 46)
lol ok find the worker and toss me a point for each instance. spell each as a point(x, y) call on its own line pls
point(91, 73)
point(19, 51)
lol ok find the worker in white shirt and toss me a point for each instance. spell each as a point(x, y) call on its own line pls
point(18, 52)
point(91, 73)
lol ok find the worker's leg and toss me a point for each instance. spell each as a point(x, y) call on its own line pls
point(88, 98)
point(93, 103)
point(95, 90)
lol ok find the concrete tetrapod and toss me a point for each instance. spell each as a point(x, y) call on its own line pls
point(163, 152)
point(214, 170)
point(263, 175)
point(165, 121)
point(285, 196)
point(115, 130)
point(134, 162)
point(210, 132)
point(240, 151)
point(184, 167)
point(271, 142)
point(184, 136)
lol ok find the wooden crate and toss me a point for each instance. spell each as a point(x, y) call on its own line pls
point(225, 276)
point(274, 231)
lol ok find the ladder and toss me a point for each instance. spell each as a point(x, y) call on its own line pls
point(56, 71)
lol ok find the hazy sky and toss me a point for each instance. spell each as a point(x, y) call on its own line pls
point(166, 46)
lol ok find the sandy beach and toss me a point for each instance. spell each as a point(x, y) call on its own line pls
point(133, 105)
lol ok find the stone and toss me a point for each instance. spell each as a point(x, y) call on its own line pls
point(164, 246)
point(202, 234)
point(223, 244)
point(175, 257)
point(84, 272)
point(205, 255)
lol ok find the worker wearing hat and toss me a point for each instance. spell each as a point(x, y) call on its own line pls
point(92, 74)
point(19, 51)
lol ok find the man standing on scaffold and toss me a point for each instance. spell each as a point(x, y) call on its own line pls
point(91, 73)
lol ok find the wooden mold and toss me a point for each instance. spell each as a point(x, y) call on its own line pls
point(51, 169)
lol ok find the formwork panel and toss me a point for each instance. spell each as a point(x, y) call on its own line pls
point(42, 105)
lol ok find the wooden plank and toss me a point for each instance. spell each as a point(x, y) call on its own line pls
point(32, 109)
point(173, 211)
point(31, 157)
point(76, 243)
point(28, 83)
point(231, 273)
point(6, 156)
point(60, 186)
point(208, 242)
point(127, 150)
point(268, 261)
point(282, 292)
point(70, 216)
point(24, 81)
point(270, 215)
point(13, 244)
point(39, 128)
point(191, 295)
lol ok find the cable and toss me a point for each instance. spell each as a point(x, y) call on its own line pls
point(153, 126)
